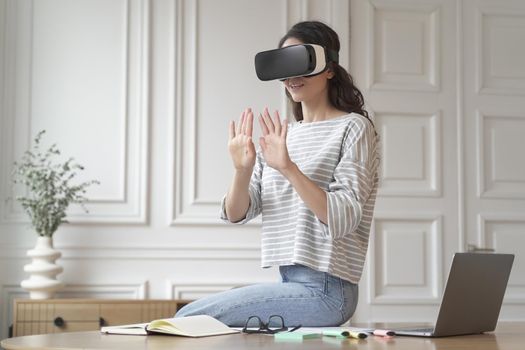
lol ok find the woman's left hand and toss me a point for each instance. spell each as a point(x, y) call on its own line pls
point(273, 141)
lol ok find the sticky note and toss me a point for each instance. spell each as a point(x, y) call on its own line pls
point(297, 335)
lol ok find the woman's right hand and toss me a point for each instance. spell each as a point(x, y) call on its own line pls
point(240, 144)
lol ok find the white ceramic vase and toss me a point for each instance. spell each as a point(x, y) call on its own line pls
point(42, 282)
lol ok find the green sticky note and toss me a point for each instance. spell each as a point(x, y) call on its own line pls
point(296, 335)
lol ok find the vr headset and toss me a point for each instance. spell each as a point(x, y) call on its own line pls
point(293, 61)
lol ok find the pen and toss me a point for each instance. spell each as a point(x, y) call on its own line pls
point(357, 335)
point(383, 333)
point(338, 333)
point(345, 334)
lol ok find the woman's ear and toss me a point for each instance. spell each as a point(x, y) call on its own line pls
point(330, 74)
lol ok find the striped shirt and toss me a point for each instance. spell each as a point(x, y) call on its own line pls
point(341, 156)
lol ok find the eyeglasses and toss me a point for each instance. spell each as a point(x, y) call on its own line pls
point(274, 325)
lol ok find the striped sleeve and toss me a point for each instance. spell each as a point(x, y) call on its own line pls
point(352, 181)
point(254, 191)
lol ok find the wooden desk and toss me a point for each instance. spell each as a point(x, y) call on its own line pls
point(508, 336)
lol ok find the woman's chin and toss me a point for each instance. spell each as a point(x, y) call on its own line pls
point(297, 97)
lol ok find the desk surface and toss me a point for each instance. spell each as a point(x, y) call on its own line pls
point(508, 336)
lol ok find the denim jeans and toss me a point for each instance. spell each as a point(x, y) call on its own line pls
point(304, 297)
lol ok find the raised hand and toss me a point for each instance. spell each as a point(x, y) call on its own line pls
point(240, 144)
point(273, 141)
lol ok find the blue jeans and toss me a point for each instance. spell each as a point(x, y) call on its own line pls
point(304, 297)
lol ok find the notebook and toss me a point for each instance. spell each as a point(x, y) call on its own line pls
point(473, 296)
point(190, 326)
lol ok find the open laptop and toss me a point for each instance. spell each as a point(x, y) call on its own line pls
point(473, 296)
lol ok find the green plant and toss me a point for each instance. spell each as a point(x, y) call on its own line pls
point(49, 191)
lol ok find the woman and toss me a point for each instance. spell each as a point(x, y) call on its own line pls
point(315, 184)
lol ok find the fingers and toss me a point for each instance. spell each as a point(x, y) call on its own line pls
point(251, 146)
point(277, 123)
point(262, 123)
point(245, 125)
point(239, 125)
point(262, 142)
point(249, 124)
point(232, 129)
point(272, 125)
point(268, 120)
point(284, 130)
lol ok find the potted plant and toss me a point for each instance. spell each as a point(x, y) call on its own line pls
point(48, 195)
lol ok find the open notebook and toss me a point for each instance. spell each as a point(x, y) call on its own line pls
point(190, 326)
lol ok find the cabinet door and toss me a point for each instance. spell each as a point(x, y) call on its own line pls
point(31, 328)
point(51, 317)
point(119, 314)
point(33, 312)
point(75, 326)
point(73, 312)
point(124, 313)
point(45, 327)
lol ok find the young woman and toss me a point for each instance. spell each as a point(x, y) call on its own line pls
point(314, 182)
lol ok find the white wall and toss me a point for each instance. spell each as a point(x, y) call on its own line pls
point(141, 92)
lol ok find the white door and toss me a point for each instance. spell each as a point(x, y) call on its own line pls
point(494, 114)
point(445, 80)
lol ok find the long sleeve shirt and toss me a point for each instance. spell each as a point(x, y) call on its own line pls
point(341, 156)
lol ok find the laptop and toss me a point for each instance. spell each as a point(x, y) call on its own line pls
point(473, 296)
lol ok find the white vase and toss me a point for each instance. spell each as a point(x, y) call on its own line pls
point(42, 282)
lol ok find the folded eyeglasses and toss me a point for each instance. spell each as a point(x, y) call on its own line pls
point(275, 324)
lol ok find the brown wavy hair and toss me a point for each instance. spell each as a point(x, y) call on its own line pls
point(342, 92)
